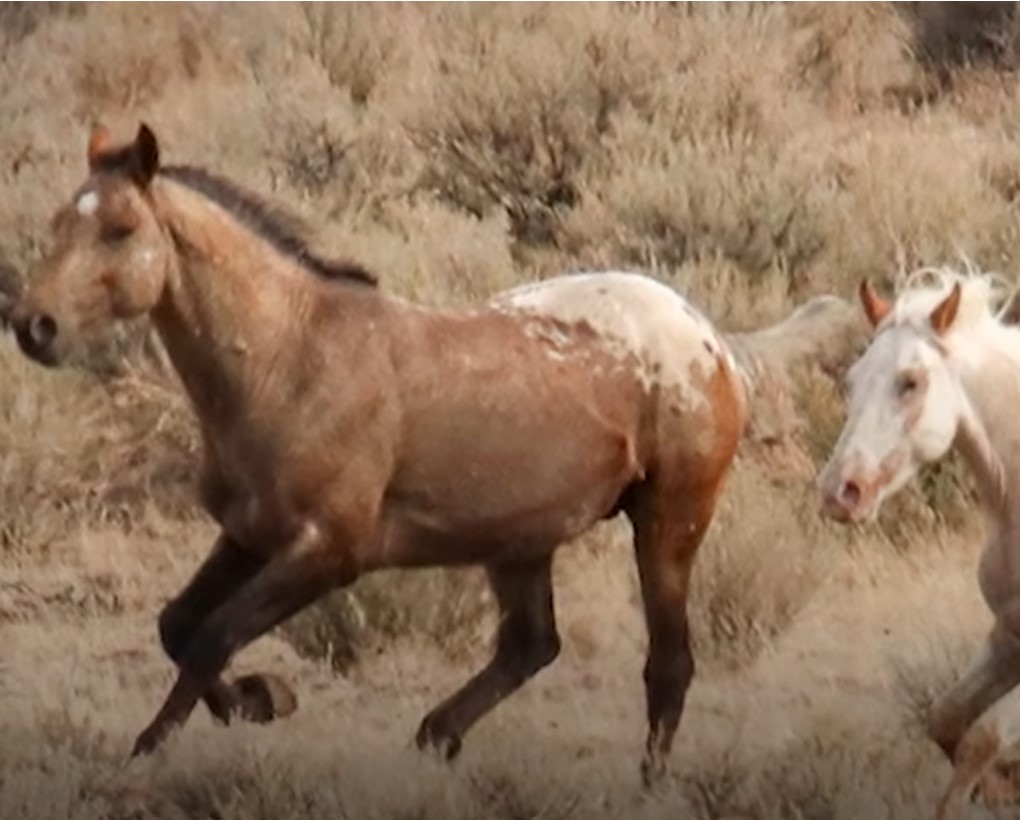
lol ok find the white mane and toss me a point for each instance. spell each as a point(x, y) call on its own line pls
point(985, 299)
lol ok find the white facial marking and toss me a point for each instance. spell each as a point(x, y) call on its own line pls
point(887, 434)
point(88, 203)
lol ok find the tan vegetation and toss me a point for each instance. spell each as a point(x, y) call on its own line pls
point(752, 156)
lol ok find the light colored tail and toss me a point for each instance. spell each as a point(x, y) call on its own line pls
point(824, 332)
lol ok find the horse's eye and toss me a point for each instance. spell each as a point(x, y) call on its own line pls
point(113, 234)
point(908, 385)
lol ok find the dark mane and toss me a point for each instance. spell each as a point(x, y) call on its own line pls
point(282, 230)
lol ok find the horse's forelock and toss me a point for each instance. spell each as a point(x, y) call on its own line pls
point(984, 297)
point(114, 160)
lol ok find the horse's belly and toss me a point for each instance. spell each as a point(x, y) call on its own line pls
point(420, 537)
point(490, 500)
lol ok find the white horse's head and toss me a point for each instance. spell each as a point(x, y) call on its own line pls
point(906, 401)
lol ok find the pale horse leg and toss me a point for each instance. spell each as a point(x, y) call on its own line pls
point(978, 720)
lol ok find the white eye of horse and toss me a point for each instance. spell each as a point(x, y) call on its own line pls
point(908, 384)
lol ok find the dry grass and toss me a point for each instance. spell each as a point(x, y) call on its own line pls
point(751, 155)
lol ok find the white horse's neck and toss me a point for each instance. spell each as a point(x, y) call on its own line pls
point(989, 435)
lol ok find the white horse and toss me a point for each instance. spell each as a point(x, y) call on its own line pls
point(943, 371)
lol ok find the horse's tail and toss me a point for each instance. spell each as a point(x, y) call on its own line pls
point(823, 332)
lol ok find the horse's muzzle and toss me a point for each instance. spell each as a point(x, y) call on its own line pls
point(846, 498)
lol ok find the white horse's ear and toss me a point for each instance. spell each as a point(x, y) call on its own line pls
point(944, 314)
point(875, 307)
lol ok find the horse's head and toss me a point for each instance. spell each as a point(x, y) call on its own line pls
point(109, 258)
point(904, 407)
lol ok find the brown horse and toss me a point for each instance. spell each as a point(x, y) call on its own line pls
point(346, 431)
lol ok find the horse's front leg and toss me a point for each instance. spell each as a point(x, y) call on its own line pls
point(304, 570)
point(226, 569)
point(993, 672)
point(973, 722)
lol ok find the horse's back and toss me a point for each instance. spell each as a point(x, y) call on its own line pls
point(680, 356)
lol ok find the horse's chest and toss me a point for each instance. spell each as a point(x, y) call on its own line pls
point(248, 512)
point(259, 524)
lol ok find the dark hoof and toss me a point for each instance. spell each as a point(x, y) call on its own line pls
point(147, 742)
point(263, 698)
point(431, 736)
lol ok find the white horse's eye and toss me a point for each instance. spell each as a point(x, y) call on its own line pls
point(907, 384)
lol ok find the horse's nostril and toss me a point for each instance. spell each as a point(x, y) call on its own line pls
point(850, 493)
point(42, 329)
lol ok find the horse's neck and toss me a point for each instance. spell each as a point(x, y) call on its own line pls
point(987, 433)
point(231, 305)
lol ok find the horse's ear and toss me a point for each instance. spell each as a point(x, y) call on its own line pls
point(99, 144)
point(942, 317)
point(875, 307)
point(146, 155)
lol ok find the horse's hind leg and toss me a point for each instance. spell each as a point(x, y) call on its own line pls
point(254, 697)
point(668, 529)
point(527, 641)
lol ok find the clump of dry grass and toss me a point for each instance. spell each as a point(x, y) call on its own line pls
point(741, 603)
point(126, 449)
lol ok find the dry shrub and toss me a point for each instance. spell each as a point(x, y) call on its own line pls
point(765, 557)
point(355, 43)
point(685, 173)
point(449, 608)
point(19, 20)
point(857, 59)
point(950, 34)
point(522, 106)
point(128, 447)
point(426, 251)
